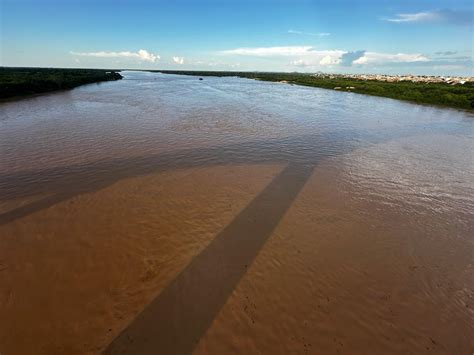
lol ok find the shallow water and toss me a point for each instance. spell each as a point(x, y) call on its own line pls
point(234, 216)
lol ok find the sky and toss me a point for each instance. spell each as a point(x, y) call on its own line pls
point(425, 37)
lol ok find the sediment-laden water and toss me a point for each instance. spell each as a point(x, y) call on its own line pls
point(164, 214)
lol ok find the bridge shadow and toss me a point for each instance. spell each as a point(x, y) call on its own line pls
point(174, 322)
point(179, 316)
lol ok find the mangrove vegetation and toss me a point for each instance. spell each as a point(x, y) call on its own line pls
point(27, 81)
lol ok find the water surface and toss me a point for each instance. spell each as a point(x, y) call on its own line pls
point(234, 216)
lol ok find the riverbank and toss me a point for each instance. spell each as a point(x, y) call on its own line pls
point(442, 94)
point(28, 81)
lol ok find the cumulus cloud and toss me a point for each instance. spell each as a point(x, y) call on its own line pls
point(381, 58)
point(305, 56)
point(457, 17)
point(329, 60)
point(315, 62)
point(319, 34)
point(178, 60)
point(301, 63)
point(317, 58)
point(142, 55)
point(308, 56)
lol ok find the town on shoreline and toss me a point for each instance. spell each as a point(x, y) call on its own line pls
point(451, 80)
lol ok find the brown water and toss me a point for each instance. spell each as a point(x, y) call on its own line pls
point(166, 215)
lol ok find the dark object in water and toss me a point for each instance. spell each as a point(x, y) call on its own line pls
point(200, 78)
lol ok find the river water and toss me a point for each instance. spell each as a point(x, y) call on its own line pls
point(166, 214)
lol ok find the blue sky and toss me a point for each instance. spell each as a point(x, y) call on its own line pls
point(378, 36)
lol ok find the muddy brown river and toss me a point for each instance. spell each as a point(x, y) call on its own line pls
point(162, 214)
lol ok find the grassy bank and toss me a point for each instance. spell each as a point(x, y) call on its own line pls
point(27, 81)
point(457, 96)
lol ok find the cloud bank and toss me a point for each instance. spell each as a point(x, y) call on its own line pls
point(381, 58)
point(269, 51)
point(141, 55)
point(308, 56)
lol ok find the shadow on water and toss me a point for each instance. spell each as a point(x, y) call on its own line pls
point(174, 322)
point(177, 318)
point(62, 183)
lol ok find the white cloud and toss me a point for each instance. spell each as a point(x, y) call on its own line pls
point(214, 64)
point(269, 51)
point(416, 17)
point(309, 57)
point(456, 17)
point(381, 58)
point(140, 55)
point(319, 34)
point(302, 63)
point(328, 60)
point(305, 56)
point(319, 60)
point(178, 60)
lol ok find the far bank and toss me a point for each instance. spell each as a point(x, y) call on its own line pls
point(17, 82)
point(441, 94)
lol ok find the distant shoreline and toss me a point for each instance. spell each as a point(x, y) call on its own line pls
point(16, 83)
point(439, 94)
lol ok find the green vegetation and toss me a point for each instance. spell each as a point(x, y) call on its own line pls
point(27, 81)
point(457, 96)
